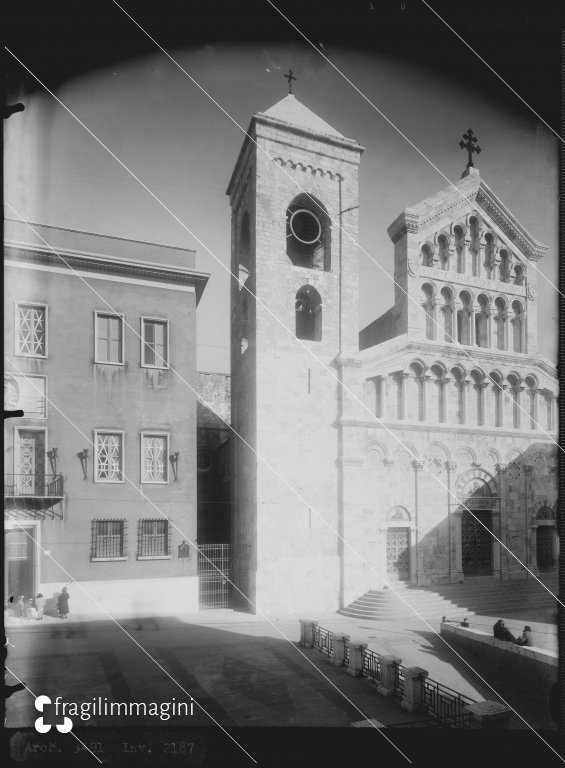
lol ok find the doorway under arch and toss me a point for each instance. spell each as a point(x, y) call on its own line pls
point(398, 542)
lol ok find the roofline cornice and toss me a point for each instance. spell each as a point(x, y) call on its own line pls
point(474, 190)
point(67, 260)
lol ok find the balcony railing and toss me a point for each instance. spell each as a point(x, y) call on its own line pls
point(33, 495)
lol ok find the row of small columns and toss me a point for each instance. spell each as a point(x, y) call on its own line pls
point(490, 315)
point(505, 406)
point(483, 712)
point(494, 263)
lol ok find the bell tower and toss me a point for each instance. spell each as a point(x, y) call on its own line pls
point(296, 293)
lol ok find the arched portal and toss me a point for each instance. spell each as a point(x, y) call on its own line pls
point(398, 543)
point(547, 543)
point(477, 519)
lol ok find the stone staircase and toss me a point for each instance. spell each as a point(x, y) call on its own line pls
point(479, 596)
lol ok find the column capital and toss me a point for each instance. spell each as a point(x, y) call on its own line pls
point(417, 465)
point(451, 466)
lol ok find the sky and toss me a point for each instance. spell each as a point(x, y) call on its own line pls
point(183, 147)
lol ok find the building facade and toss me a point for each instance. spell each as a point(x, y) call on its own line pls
point(360, 452)
point(100, 483)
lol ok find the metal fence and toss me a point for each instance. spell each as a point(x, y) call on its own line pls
point(443, 704)
point(213, 575)
point(371, 664)
point(399, 679)
point(323, 640)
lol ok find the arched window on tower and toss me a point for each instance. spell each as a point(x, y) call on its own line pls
point(460, 248)
point(443, 246)
point(464, 319)
point(514, 389)
point(496, 387)
point(447, 311)
point(428, 305)
point(517, 327)
point(481, 322)
point(474, 247)
point(308, 310)
point(500, 322)
point(308, 233)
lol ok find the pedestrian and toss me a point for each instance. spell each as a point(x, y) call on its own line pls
point(502, 633)
point(40, 605)
point(63, 603)
point(526, 638)
point(20, 607)
point(30, 610)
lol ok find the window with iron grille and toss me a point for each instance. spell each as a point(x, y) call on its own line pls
point(109, 457)
point(153, 539)
point(154, 452)
point(109, 540)
point(109, 335)
point(31, 330)
point(155, 343)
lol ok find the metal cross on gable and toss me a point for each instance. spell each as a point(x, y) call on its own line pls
point(470, 140)
point(290, 77)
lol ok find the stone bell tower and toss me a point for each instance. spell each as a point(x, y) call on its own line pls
point(294, 311)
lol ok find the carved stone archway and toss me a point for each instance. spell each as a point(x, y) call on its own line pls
point(478, 502)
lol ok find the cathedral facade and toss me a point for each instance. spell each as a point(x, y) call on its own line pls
point(422, 449)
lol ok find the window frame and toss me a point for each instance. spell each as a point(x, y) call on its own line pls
point(154, 433)
point(122, 317)
point(17, 304)
point(124, 556)
point(109, 431)
point(168, 542)
point(143, 319)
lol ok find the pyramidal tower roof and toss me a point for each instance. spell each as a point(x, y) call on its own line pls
point(290, 110)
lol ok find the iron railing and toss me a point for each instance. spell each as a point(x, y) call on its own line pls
point(443, 704)
point(42, 486)
point(371, 664)
point(323, 640)
point(399, 679)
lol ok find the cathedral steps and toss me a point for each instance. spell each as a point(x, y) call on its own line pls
point(483, 597)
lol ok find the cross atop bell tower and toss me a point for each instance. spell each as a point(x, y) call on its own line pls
point(290, 77)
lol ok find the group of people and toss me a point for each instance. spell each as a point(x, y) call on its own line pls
point(34, 609)
point(501, 632)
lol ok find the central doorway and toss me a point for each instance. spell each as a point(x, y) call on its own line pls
point(476, 541)
point(398, 553)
